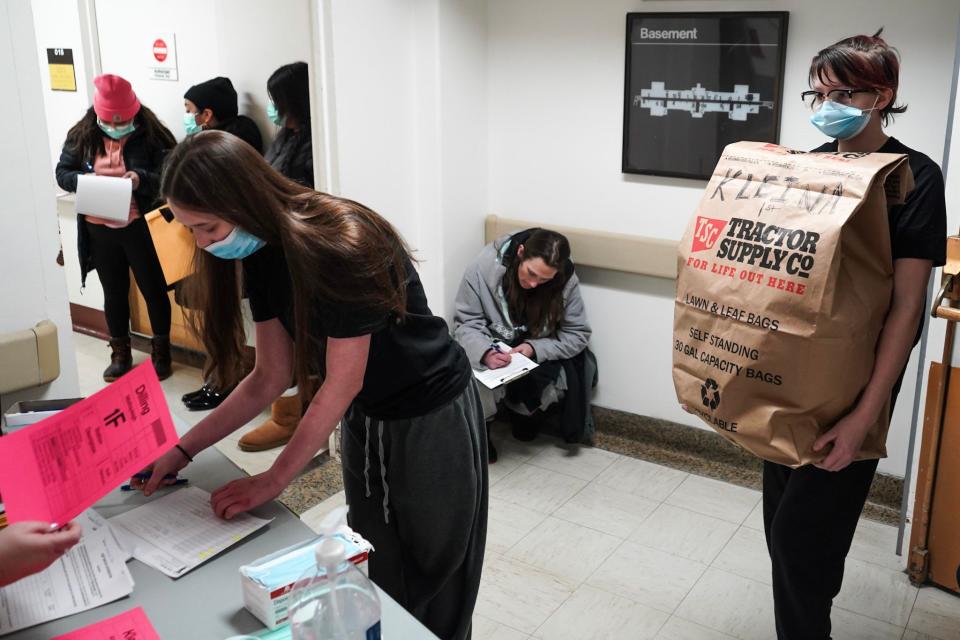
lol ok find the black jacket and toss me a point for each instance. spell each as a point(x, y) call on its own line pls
point(138, 157)
point(245, 129)
point(292, 155)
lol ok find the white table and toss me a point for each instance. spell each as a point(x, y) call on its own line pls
point(207, 603)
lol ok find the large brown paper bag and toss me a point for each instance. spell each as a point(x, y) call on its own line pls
point(785, 279)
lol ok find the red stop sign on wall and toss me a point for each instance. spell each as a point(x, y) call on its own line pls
point(159, 50)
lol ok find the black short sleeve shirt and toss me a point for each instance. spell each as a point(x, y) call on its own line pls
point(918, 227)
point(414, 365)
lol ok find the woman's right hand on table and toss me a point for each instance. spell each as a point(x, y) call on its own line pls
point(169, 464)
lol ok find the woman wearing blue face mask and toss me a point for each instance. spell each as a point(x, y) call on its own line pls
point(213, 105)
point(334, 291)
point(289, 108)
point(119, 137)
point(811, 513)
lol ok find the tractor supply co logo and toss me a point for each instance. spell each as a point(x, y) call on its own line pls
point(790, 254)
point(770, 247)
point(758, 244)
point(710, 394)
point(706, 233)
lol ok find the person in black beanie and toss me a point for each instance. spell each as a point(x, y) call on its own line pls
point(213, 105)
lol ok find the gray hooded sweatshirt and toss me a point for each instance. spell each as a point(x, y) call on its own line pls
point(481, 313)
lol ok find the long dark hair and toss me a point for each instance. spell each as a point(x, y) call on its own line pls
point(289, 88)
point(85, 139)
point(862, 62)
point(337, 250)
point(541, 308)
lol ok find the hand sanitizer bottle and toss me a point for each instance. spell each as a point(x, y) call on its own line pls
point(334, 600)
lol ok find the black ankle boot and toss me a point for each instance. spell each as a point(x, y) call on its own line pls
point(524, 428)
point(491, 451)
point(160, 354)
point(121, 360)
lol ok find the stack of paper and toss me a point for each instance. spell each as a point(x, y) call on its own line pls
point(92, 522)
point(91, 574)
point(179, 532)
point(520, 365)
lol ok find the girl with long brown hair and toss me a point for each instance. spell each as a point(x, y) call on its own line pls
point(523, 291)
point(333, 289)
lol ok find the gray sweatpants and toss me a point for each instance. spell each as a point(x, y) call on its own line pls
point(417, 490)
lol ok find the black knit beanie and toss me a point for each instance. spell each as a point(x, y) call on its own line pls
point(218, 95)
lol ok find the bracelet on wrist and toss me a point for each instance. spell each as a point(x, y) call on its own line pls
point(184, 452)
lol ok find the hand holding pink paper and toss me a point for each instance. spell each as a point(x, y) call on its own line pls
point(55, 469)
point(132, 624)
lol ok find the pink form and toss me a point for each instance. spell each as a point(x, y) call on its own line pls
point(55, 469)
point(130, 625)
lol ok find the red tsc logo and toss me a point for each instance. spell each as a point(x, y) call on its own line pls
point(706, 233)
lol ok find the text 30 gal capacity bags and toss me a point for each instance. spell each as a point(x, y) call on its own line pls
point(785, 279)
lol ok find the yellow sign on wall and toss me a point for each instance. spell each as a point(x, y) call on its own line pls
point(62, 74)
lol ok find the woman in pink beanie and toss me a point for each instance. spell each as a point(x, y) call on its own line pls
point(120, 137)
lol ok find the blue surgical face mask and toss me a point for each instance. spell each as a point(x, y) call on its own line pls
point(117, 132)
point(841, 121)
point(273, 114)
point(236, 246)
point(190, 123)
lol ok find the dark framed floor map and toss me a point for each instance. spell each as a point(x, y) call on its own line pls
point(695, 82)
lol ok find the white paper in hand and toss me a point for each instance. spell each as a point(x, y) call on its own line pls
point(91, 574)
point(104, 196)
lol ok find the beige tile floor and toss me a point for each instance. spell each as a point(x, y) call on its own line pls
point(587, 544)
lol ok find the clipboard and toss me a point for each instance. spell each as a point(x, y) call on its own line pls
point(520, 365)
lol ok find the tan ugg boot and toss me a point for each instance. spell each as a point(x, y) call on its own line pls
point(277, 431)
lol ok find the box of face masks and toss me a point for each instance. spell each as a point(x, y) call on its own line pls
point(267, 582)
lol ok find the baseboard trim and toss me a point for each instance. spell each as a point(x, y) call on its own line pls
point(89, 321)
point(93, 322)
point(708, 454)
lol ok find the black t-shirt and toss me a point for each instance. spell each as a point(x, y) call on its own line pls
point(414, 366)
point(918, 227)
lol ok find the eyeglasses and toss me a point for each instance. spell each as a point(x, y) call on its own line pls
point(814, 99)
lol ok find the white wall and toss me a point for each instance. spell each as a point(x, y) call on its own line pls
point(937, 328)
point(464, 156)
point(555, 132)
point(411, 131)
point(33, 287)
point(244, 40)
point(374, 59)
point(57, 25)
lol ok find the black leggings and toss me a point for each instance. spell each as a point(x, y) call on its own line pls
point(115, 252)
point(810, 516)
